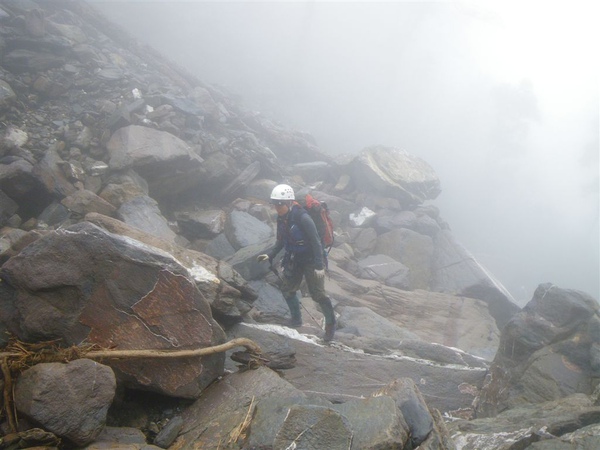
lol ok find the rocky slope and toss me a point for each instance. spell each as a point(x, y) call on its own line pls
point(133, 205)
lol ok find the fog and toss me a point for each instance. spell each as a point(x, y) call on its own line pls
point(500, 98)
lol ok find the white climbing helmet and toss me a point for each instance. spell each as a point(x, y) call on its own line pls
point(282, 192)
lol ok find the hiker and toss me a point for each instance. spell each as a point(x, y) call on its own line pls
point(304, 257)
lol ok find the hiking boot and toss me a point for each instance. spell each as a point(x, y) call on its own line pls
point(293, 323)
point(329, 332)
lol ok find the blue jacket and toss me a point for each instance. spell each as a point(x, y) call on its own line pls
point(298, 235)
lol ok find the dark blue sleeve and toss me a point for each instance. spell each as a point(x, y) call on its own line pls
point(312, 235)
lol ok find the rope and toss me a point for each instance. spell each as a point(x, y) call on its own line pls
point(19, 356)
point(77, 352)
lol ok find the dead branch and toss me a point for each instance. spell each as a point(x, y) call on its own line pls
point(240, 430)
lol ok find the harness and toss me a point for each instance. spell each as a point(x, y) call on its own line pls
point(289, 229)
point(295, 243)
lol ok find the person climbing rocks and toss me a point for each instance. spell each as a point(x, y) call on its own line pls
point(303, 258)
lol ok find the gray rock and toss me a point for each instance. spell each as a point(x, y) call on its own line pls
point(395, 173)
point(83, 201)
point(49, 172)
point(367, 323)
point(22, 60)
point(412, 249)
point(7, 95)
point(385, 269)
point(219, 247)
point(218, 282)
point(205, 224)
point(169, 433)
point(544, 351)
point(313, 171)
point(165, 161)
point(339, 376)
point(375, 423)
point(391, 221)
point(269, 416)
point(446, 319)
point(521, 426)
point(62, 399)
point(19, 182)
point(243, 230)
point(260, 189)
point(363, 240)
point(144, 213)
point(226, 404)
point(244, 260)
point(121, 437)
point(239, 183)
point(85, 284)
point(123, 187)
point(427, 225)
point(455, 270)
point(275, 348)
point(118, 194)
point(206, 102)
point(411, 403)
point(587, 437)
point(8, 207)
point(270, 301)
point(54, 214)
point(310, 427)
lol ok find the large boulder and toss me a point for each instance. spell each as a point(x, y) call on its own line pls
point(7, 95)
point(413, 250)
point(166, 162)
point(338, 376)
point(49, 171)
point(450, 320)
point(310, 426)
point(225, 405)
point(21, 184)
point(226, 291)
point(125, 438)
point(61, 398)
point(566, 423)
point(547, 351)
point(395, 173)
point(456, 271)
point(143, 212)
point(7, 208)
point(259, 409)
point(83, 284)
point(83, 201)
point(376, 422)
point(243, 230)
point(428, 430)
point(203, 224)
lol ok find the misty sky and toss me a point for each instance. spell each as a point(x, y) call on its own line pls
point(500, 98)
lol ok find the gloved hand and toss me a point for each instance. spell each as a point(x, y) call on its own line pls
point(320, 273)
point(263, 257)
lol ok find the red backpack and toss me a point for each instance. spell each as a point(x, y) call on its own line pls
point(319, 213)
